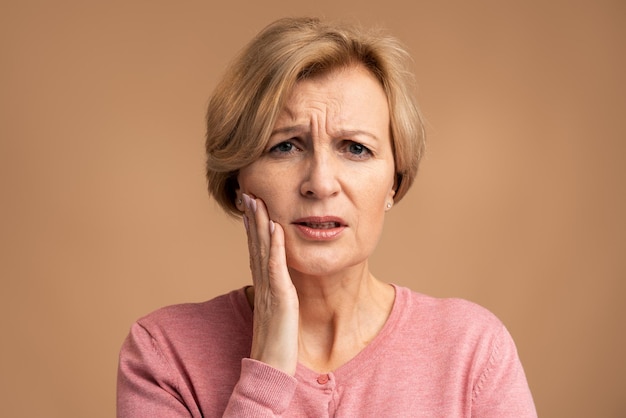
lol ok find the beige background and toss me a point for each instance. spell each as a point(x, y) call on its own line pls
point(519, 204)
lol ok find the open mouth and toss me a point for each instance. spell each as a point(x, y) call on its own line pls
point(320, 228)
point(320, 225)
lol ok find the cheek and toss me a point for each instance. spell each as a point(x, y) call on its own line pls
point(378, 185)
point(275, 204)
point(252, 180)
point(263, 187)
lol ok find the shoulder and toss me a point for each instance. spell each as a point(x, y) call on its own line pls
point(464, 335)
point(451, 311)
point(178, 354)
point(447, 322)
point(467, 346)
point(221, 313)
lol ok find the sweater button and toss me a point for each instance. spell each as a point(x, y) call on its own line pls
point(322, 379)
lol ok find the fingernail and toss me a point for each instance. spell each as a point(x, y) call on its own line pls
point(249, 202)
point(272, 227)
point(245, 223)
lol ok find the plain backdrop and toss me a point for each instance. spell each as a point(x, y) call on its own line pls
point(519, 204)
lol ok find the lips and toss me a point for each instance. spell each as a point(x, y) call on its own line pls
point(320, 228)
point(321, 225)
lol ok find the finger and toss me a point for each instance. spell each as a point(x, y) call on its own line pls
point(253, 246)
point(258, 237)
point(277, 262)
point(262, 222)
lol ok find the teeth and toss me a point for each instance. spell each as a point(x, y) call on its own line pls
point(323, 225)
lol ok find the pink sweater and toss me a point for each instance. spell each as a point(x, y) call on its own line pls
point(433, 358)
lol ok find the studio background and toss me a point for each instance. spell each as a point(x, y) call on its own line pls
point(519, 204)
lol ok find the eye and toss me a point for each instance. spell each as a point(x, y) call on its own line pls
point(284, 147)
point(357, 150)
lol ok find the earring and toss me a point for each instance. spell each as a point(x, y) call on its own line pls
point(388, 205)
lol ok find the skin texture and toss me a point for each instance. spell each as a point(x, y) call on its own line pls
point(314, 205)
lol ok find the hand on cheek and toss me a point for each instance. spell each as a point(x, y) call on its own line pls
point(275, 332)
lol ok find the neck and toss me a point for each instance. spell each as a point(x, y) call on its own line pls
point(339, 315)
point(335, 294)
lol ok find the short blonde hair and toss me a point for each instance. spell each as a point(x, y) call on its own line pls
point(243, 109)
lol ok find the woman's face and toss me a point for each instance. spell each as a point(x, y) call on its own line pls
point(327, 172)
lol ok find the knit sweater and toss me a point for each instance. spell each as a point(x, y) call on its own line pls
point(433, 358)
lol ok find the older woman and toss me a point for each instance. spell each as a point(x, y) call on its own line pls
point(313, 135)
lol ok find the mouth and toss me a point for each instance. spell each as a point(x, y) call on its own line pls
point(320, 225)
point(321, 222)
point(320, 228)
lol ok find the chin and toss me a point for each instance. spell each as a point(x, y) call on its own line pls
point(313, 271)
point(322, 266)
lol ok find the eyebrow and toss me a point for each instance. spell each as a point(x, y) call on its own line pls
point(295, 129)
point(300, 129)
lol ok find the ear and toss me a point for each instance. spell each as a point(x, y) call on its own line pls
point(389, 199)
point(238, 195)
point(396, 181)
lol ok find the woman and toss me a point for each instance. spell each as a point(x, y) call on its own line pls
point(313, 135)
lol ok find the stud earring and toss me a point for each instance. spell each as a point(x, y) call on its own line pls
point(239, 201)
point(388, 205)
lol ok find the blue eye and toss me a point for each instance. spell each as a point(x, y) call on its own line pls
point(283, 147)
point(358, 150)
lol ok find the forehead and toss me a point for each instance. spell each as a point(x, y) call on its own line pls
point(344, 95)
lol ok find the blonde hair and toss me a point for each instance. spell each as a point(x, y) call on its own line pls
point(244, 106)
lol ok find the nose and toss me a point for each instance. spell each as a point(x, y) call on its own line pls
point(320, 178)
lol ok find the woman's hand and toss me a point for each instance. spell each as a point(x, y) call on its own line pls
point(275, 330)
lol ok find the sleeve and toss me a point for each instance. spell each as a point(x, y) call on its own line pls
point(262, 391)
point(146, 384)
point(502, 389)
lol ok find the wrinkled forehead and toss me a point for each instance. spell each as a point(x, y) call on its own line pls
point(349, 99)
